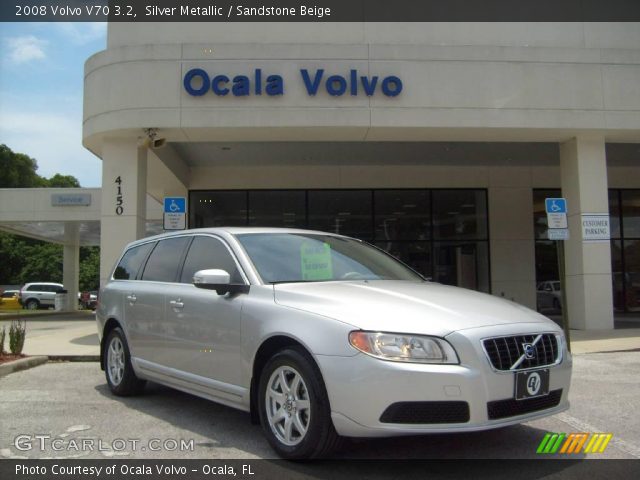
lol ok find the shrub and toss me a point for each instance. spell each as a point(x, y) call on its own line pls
point(17, 334)
point(3, 333)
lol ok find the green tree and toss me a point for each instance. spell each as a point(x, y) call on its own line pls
point(43, 263)
point(18, 170)
point(89, 268)
point(63, 181)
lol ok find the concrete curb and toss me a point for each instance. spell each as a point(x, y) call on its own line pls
point(82, 314)
point(74, 358)
point(22, 364)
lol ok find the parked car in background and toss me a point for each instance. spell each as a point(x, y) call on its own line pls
point(37, 295)
point(549, 295)
point(319, 335)
point(88, 300)
point(9, 300)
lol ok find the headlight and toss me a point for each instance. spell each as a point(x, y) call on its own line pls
point(400, 347)
point(562, 344)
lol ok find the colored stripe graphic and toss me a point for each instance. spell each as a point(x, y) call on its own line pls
point(598, 443)
point(550, 443)
point(573, 443)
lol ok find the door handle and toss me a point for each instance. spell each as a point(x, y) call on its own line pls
point(176, 303)
point(132, 298)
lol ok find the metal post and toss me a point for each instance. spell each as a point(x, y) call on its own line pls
point(563, 290)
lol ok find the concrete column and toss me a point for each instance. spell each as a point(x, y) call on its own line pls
point(71, 264)
point(583, 172)
point(123, 204)
point(511, 241)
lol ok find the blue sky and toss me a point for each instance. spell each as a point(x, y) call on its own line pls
point(41, 82)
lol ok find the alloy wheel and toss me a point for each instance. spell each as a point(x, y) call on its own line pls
point(288, 406)
point(115, 361)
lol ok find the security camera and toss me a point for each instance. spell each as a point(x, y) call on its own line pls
point(158, 143)
point(153, 141)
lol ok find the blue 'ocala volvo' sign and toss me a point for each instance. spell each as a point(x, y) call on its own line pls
point(197, 82)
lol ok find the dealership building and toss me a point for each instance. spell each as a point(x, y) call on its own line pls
point(437, 142)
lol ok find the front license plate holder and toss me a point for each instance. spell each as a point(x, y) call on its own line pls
point(532, 384)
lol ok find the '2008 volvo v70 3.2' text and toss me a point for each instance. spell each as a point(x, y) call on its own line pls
point(321, 336)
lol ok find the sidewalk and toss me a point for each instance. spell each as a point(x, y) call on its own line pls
point(71, 335)
point(593, 341)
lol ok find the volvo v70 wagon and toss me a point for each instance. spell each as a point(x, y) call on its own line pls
point(320, 336)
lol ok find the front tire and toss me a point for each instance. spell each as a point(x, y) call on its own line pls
point(32, 304)
point(121, 378)
point(294, 407)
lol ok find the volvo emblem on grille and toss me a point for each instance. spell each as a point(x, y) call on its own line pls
point(529, 351)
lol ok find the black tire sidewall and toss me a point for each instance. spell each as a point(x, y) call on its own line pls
point(30, 302)
point(320, 411)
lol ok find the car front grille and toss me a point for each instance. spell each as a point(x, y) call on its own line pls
point(511, 407)
point(426, 412)
point(508, 353)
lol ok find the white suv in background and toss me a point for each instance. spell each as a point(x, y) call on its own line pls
point(39, 295)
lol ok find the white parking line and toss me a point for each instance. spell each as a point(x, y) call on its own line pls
point(581, 426)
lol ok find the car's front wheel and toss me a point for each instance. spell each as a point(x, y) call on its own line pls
point(294, 407)
point(121, 378)
point(32, 304)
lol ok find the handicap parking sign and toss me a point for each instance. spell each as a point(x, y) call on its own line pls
point(175, 213)
point(556, 213)
point(556, 205)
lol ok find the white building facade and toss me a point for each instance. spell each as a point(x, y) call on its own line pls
point(436, 141)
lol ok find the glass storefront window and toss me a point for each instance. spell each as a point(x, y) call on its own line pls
point(459, 214)
point(617, 276)
point(402, 215)
point(464, 264)
point(217, 209)
point(630, 213)
point(347, 212)
point(614, 213)
point(279, 208)
point(415, 254)
point(442, 234)
point(631, 275)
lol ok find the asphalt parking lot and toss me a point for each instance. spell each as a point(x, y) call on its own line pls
point(70, 402)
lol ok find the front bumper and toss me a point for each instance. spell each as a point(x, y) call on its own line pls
point(361, 388)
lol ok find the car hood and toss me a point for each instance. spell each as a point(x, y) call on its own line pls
point(406, 307)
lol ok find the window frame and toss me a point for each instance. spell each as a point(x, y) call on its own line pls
point(234, 257)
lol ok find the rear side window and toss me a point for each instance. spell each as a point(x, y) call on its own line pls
point(128, 267)
point(209, 253)
point(164, 261)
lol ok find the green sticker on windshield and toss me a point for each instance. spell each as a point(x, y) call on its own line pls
point(315, 260)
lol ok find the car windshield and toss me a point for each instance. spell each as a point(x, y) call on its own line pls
point(301, 257)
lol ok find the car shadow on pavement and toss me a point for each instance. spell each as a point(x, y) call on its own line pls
point(91, 339)
point(228, 428)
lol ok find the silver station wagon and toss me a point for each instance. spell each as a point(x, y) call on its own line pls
point(320, 336)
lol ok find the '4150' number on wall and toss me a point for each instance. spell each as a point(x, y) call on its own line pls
point(119, 201)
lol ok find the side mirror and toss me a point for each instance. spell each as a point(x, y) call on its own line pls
point(218, 280)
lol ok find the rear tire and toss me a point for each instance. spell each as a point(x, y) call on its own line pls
point(121, 378)
point(294, 407)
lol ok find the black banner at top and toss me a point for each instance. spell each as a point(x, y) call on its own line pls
point(320, 10)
